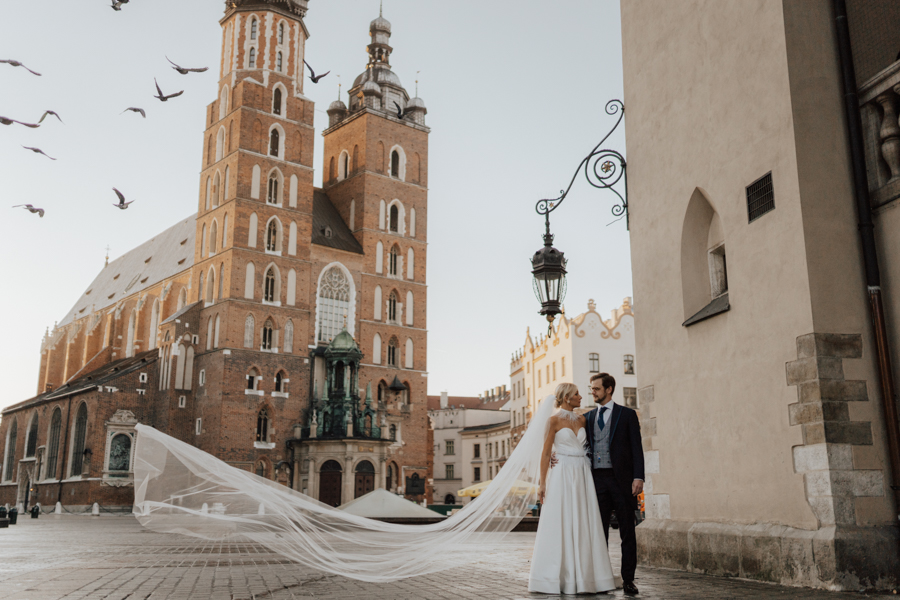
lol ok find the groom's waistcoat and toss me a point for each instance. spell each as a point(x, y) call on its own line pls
point(601, 459)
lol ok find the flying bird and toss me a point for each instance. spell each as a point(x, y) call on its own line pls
point(137, 110)
point(312, 74)
point(50, 112)
point(7, 121)
point(401, 113)
point(122, 204)
point(31, 209)
point(39, 151)
point(185, 71)
point(15, 63)
point(162, 97)
point(117, 4)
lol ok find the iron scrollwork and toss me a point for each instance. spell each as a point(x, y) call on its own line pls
point(603, 169)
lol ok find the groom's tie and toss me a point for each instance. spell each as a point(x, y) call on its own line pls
point(602, 422)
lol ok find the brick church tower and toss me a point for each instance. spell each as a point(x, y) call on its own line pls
point(252, 253)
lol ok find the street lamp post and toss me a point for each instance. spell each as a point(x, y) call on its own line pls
point(603, 168)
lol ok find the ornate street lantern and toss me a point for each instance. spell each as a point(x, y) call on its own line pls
point(603, 169)
point(549, 269)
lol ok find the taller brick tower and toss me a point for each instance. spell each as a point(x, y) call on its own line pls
point(251, 272)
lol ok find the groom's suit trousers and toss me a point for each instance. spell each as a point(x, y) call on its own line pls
point(610, 497)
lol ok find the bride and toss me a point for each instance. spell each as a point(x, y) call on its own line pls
point(570, 553)
point(181, 489)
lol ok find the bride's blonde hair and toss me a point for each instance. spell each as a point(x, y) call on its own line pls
point(564, 391)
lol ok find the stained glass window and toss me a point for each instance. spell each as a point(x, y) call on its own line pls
point(333, 304)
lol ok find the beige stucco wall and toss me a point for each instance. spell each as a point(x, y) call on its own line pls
point(717, 94)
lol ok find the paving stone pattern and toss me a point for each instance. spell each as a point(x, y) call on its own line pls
point(114, 558)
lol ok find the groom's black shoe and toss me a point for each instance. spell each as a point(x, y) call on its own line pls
point(629, 588)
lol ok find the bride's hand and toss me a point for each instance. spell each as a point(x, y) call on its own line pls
point(541, 492)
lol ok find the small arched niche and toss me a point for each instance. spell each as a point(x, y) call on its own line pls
point(704, 281)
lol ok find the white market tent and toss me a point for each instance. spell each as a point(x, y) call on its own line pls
point(381, 504)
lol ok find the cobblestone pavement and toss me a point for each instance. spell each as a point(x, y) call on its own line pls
point(114, 558)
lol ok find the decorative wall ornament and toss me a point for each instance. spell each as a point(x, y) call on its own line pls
point(124, 417)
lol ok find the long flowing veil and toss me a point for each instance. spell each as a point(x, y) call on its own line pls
point(181, 489)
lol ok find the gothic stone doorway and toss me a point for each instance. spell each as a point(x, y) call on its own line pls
point(330, 483)
point(365, 479)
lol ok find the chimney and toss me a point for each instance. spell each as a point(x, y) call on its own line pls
point(444, 400)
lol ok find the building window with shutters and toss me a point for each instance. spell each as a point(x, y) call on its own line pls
point(449, 447)
point(477, 451)
point(477, 474)
point(448, 471)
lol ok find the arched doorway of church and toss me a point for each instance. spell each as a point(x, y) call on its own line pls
point(365, 478)
point(449, 499)
point(330, 483)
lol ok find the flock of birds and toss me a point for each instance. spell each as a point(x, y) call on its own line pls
point(162, 97)
point(121, 204)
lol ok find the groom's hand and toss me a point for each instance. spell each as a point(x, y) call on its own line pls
point(637, 486)
point(553, 460)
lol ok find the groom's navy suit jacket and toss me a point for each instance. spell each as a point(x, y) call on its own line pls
point(625, 449)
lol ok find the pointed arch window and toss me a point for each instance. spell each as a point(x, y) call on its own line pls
point(278, 62)
point(280, 382)
point(252, 60)
point(280, 33)
point(216, 333)
point(395, 164)
point(268, 334)
point(253, 27)
point(78, 440)
point(262, 426)
point(272, 244)
point(276, 101)
point(11, 440)
point(333, 304)
point(394, 261)
point(274, 142)
point(53, 445)
point(393, 431)
point(31, 446)
point(272, 194)
point(392, 307)
point(270, 279)
point(393, 352)
point(395, 219)
point(346, 165)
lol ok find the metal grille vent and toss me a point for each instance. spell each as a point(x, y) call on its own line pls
point(760, 197)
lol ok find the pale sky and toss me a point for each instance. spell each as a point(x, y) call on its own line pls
point(515, 94)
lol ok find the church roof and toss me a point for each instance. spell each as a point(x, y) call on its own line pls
point(163, 256)
point(90, 381)
point(329, 228)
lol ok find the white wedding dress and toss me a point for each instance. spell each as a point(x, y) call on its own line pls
point(570, 552)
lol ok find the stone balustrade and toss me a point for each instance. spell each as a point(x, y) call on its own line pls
point(879, 100)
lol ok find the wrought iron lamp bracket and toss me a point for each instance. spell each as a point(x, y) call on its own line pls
point(603, 169)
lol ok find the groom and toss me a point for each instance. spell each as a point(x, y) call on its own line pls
point(617, 464)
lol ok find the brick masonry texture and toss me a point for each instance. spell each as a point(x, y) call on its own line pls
point(231, 233)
